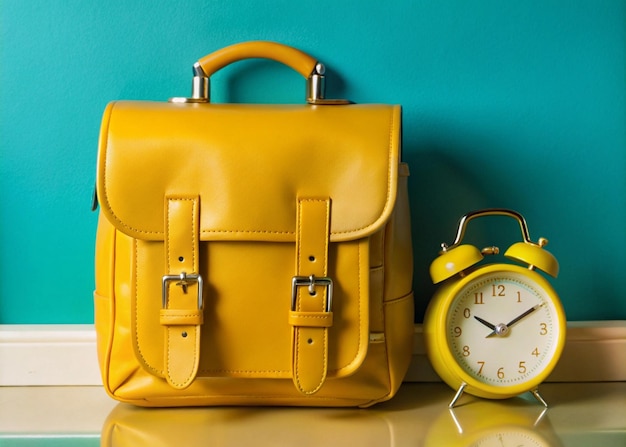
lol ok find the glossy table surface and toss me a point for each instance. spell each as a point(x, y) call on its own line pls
point(580, 414)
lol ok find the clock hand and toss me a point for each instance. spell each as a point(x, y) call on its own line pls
point(528, 312)
point(503, 329)
point(486, 323)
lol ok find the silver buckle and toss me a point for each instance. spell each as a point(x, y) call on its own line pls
point(183, 280)
point(311, 282)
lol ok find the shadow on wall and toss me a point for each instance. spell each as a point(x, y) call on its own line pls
point(441, 192)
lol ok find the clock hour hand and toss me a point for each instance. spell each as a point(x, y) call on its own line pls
point(485, 322)
point(503, 329)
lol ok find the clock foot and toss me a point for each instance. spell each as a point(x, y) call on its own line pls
point(535, 393)
point(457, 395)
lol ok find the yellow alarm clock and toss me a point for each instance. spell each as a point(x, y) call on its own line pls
point(497, 330)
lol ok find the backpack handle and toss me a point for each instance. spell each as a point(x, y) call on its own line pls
point(306, 65)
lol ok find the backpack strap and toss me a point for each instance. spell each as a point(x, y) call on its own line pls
point(311, 304)
point(182, 311)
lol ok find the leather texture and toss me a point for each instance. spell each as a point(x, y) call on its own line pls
point(310, 341)
point(252, 254)
point(182, 337)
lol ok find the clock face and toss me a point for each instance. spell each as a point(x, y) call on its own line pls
point(503, 329)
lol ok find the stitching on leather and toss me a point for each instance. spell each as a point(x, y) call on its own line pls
point(358, 350)
point(194, 231)
point(299, 242)
point(244, 371)
point(247, 231)
point(169, 371)
point(325, 330)
point(195, 357)
point(323, 379)
point(105, 142)
point(105, 147)
point(134, 298)
point(137, 331)
point(137, 230)
point(190, 374)
point(175, 317)
point(299, 336)
point(194, 204)
point(360, 318)
point(389, 168)
point(326, 237)
point(285, 397)
point(206, 371)
point(136, 304)
point(398, 300)
point(168, 267)
point(298, 332)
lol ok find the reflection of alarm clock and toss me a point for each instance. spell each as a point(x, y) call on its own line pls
point(497, 330)
point(492, 424)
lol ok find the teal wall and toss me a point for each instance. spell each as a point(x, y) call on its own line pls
point(514, 104)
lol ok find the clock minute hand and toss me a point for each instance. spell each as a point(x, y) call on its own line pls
point(503, 329)
point(525, 314)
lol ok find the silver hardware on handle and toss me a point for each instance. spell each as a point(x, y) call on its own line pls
point(200, 88)
point(316, 84)
point(315, 88)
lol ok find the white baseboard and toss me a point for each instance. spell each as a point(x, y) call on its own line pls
point(59, 355)
point(33, 355)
